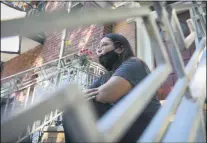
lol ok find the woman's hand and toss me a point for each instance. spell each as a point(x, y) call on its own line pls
point(91, 92)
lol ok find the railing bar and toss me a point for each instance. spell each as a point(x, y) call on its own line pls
point(40, 127)
point(131, 105)
point(173, 47)
point(6, 106)
point(34, 68)
point(203, 124)
point(201, 28)
point(202, 22)
point(151, 28)
point(195, 24)
point(181, 7)
point(179, 32)
point(192, 64)
point(155, 131)
point(42, 80)
point(159, 124)
point(194, 129)
point(190, 39)
point(51, 115)
point(33, 95)
point(181, 127)
point(59, 20)
point(27, 96)
point(13, 106)
point(58, 99)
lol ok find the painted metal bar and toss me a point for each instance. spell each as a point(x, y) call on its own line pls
point(177, 30)
point(27, 96)
point(39, 128)
point(192, 36)
point(203, 25)
point(159, 124)
point(195, 24)
point(6, 106)
point(199, 24)
point(195, 130)
point(48, 21)
point(202, 128)
point(159, 48)
point(81, 123)
point(13, 105)
point(173, 46)
point(192, 64)
point(185, 122)
point(33, 95)
point(132, 105)
point(182, 7)
point(182, 122)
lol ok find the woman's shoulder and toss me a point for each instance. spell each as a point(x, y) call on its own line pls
point(134, 64)
point(134, 61)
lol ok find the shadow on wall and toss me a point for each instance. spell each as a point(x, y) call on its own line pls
point(84, 37)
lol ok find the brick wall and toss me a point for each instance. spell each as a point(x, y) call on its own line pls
point(23, 62)
point(85, 37)
point(53, 38)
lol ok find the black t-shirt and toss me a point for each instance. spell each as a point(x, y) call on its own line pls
point(134, 71)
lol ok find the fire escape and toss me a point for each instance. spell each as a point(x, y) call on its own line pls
point(53, 81)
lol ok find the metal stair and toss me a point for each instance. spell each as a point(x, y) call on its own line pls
point(187, 126)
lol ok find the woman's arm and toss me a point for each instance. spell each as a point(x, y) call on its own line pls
point(113, 90)
point(128, 75)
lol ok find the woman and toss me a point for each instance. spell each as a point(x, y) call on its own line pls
point(125, 71)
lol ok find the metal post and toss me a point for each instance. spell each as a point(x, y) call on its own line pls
point(171, 42)
point(27, 96)
point(64, 35)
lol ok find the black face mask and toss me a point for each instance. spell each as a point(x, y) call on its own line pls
point(109, 60)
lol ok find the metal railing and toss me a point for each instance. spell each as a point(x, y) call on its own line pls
point(20, 80)
point(110, 128)
point(32, 89)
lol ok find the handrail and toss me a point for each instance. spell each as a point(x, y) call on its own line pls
point(160, 122)
point(44, 79)
point(45, 21)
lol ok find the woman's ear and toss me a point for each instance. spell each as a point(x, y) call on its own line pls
point(119, 50)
